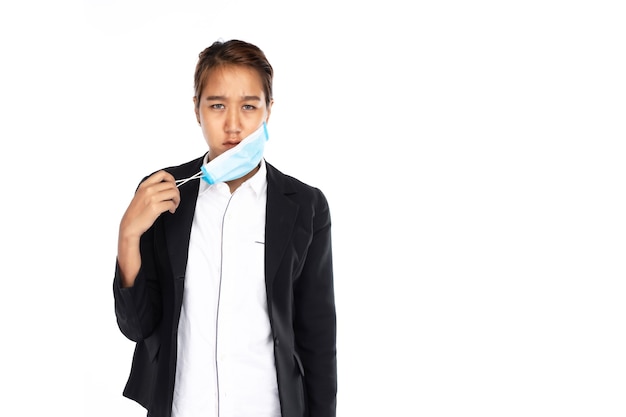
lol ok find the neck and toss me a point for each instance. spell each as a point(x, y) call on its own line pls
point(234, 184)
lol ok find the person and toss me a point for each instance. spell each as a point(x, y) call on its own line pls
point(226, 285)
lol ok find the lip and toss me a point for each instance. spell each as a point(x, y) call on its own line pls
point(230, 144)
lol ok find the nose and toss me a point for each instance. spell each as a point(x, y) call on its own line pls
point(232, 124)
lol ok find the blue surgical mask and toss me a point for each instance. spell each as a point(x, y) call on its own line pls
point(235, 162)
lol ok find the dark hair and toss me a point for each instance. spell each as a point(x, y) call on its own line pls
point(233, 52)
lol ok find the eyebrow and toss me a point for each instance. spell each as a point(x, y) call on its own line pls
point(244, 98)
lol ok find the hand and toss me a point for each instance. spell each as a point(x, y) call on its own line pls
point(156, 195)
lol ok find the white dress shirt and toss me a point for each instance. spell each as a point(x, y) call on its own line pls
point(225, 363)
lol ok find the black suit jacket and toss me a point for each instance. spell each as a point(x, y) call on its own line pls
point(300, 297)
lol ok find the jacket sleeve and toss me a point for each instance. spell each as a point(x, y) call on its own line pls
point(138, 308)
point(315, 318)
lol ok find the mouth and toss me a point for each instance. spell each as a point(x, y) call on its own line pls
point(230, 144)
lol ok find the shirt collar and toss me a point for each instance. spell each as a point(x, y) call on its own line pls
point(258, 180)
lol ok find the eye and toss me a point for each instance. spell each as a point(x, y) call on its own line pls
point(248, 107)
point(217, 106)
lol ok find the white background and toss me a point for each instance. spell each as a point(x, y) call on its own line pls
point(472, 154)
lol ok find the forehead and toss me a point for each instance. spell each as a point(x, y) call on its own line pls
point(232, 80)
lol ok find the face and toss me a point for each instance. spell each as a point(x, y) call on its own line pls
point(232, 106)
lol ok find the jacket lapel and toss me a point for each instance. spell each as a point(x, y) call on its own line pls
point(178, 227)
point(280, 220)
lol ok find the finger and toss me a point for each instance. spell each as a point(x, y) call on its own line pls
point(156, 195)
point(160, 187)
point(158, 177)
point(166, 205)
point(176, 201)
point(167, 190)
point(150, 190)
point(172, 195)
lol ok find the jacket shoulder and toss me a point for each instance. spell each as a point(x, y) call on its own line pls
point(288, 182)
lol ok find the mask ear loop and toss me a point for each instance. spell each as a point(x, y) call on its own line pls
point(193, 177)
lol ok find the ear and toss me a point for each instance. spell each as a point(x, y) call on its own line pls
point(269, 111)
point(195, 108)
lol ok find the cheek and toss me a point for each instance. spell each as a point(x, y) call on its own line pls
point(212, 136)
